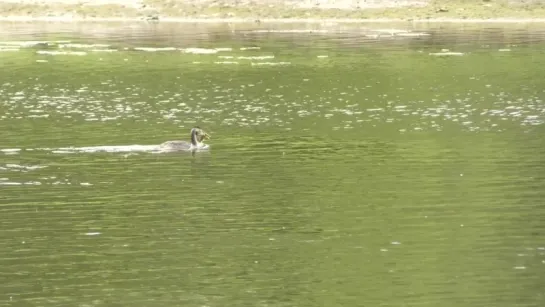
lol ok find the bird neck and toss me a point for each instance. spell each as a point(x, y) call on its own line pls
point(194, 139)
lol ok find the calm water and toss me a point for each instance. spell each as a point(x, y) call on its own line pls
point(348, 166)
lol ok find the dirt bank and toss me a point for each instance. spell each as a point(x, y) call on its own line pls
point(277, 10)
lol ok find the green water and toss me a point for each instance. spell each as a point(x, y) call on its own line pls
point(344, 169)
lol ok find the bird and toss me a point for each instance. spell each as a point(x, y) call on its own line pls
point(198, 135)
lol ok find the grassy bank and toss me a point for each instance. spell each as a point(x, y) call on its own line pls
point(229, 9)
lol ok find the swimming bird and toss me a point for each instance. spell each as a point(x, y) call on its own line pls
point(197, 137)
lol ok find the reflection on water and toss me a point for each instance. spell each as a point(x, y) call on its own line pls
point(351, 165)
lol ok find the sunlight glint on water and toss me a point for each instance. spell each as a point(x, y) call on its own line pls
point(350, 165)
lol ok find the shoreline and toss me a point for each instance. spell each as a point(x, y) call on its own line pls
point(77, 19)
point(274, 11)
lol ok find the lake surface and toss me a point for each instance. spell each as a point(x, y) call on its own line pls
point(350, 165)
